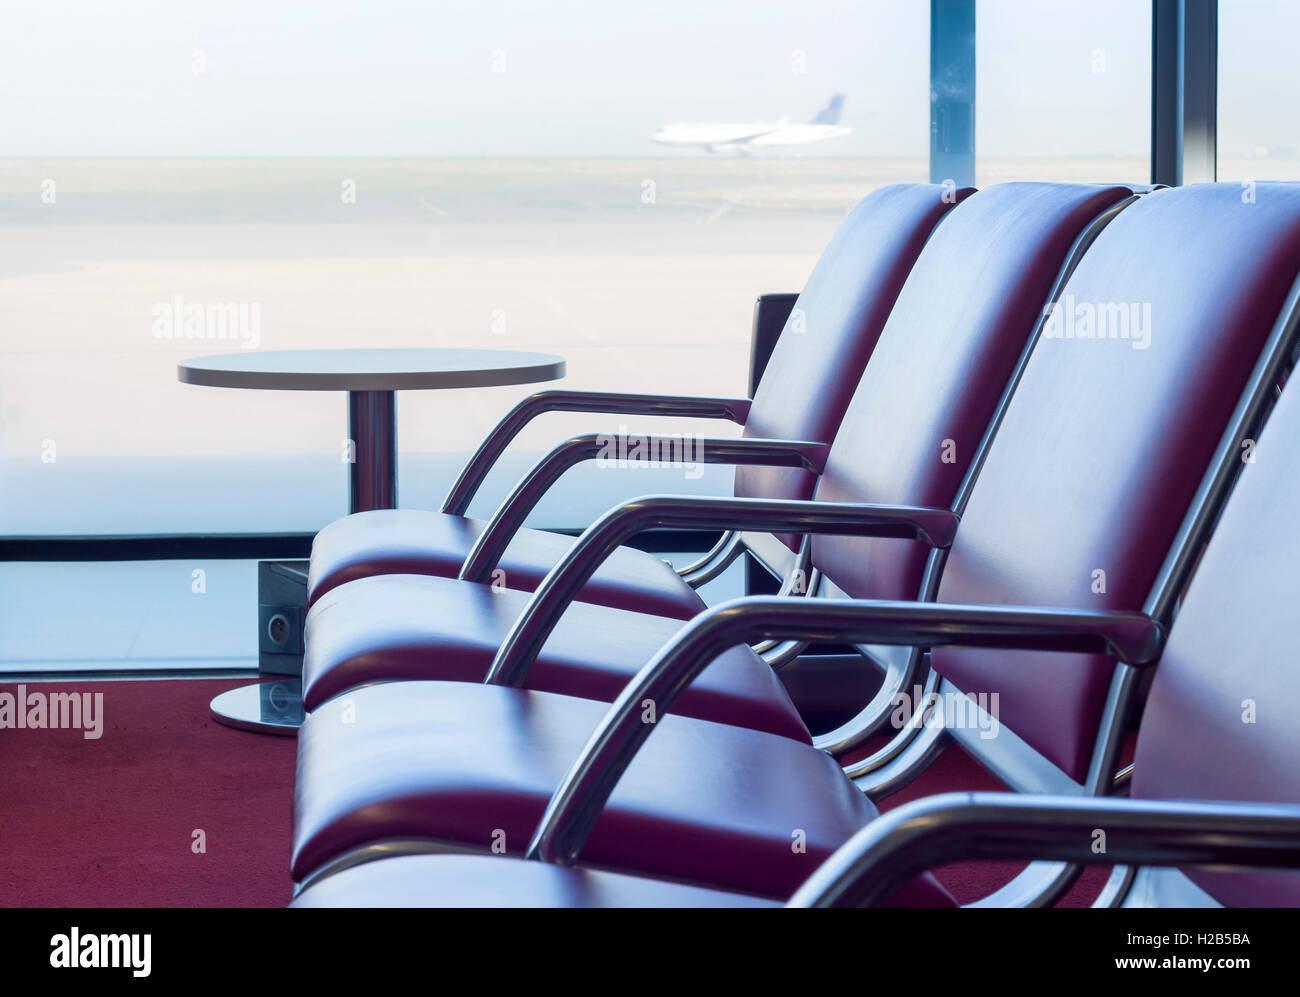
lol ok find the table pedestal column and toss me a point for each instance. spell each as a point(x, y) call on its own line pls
point(276, 707)
point(372, 430)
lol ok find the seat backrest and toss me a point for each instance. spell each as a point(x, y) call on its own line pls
point(1106, 440)
point(834, 326)
point(943, 362)
point(1220, 722)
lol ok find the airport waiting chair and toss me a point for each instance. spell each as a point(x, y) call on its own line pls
point(915, 426)
point(798, 404)
point(1214, 784)
point(1097, 493)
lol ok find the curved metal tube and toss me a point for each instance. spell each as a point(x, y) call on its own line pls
point(957, 827)
point(732, 547)
point(702, 562)
point(507, 520)
point(908, 753)
point(874, 715)
point(900, 673)
point(608, 402)
point(562, 583)
point(1117, 886)
point(779, 653)
point(582, 793)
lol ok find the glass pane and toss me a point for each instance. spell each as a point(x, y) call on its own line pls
point(388, 174)
point(1063, 91)
point(1259, 90)
point(154, 615)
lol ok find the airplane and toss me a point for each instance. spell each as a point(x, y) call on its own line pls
point(757, 135)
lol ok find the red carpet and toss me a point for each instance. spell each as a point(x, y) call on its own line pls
point(111, 822)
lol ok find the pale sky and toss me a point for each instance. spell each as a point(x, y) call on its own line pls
point(583, 77)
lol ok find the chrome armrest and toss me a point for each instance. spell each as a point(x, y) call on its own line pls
point(565, 580)
point(956, 827)
point(509, 517)
point(1133, 637)
point(611, 402)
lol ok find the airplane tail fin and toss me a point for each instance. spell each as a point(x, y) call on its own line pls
point(830, 114)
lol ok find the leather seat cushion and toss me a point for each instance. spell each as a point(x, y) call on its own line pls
point(393, 627)
point(474, 765)
point(413, 541)
point(497, 881)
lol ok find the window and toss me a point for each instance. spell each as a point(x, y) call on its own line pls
point(386, 174)
point(390, 174)
point(1259, 99)
point(1063, 91)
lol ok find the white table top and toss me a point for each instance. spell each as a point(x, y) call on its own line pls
point(369, 370)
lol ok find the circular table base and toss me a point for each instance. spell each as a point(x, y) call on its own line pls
point(264, 708)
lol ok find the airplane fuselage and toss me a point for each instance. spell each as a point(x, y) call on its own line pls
point(740, 136)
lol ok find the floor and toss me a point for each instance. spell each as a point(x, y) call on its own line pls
point(165, 809)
